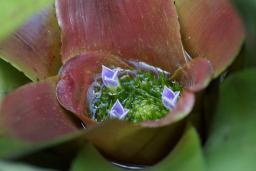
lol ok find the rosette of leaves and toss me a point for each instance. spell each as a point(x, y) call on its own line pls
point(61, 50)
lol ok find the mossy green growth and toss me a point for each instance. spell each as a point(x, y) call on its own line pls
point(139, 92)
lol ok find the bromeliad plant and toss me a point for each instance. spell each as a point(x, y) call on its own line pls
point(139, 91)
point(130, 72)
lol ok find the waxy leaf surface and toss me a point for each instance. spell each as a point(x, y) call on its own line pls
point(147, 141)
point(195, 75)
point(32, 113)
point(93, 31)
point(130, 143)
point(211, 29)
point(232, 139)
point(77, 75)
point(147, 32)
point(34, 47)
point(187, 154)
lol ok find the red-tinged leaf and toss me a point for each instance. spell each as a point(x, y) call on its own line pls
point(34, 48)
point(77, 75)
point(32, 113)
point(187, 154)
point(128, 143)
point(211, 29)
point(195, 75)
point(144, 143)
point(145, 31)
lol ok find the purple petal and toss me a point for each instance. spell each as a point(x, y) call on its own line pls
point(118, 108)
point(167, 92)
point(109, 77)
point(110, 82)
point(167, 103)
point(107, 72)
point(169, 98)
point(118, 111)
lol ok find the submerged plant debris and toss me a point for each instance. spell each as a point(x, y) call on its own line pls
point(139, 92)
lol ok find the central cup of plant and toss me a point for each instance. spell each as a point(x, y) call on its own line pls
point(133, 95)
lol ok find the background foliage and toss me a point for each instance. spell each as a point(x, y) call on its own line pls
point(14, 13)
point(230, 144)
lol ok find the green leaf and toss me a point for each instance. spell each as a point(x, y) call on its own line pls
point(90, 159)
point(10, 147)
point(247, 11)
point(13, 13)
point(10, 166)
point(21, 135)
point(13, 148)
point(186, 156)
point(231, 145)
point(10, 78)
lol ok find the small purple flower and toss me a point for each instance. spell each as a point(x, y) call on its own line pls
point(109, 77)
point(169, 98)
point(118, 111)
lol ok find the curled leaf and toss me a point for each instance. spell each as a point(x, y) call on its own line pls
point(195, 75)
point(211, 29)
point(188, 149)
point(76, 77)
point(130, 143)
point(143, 143)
